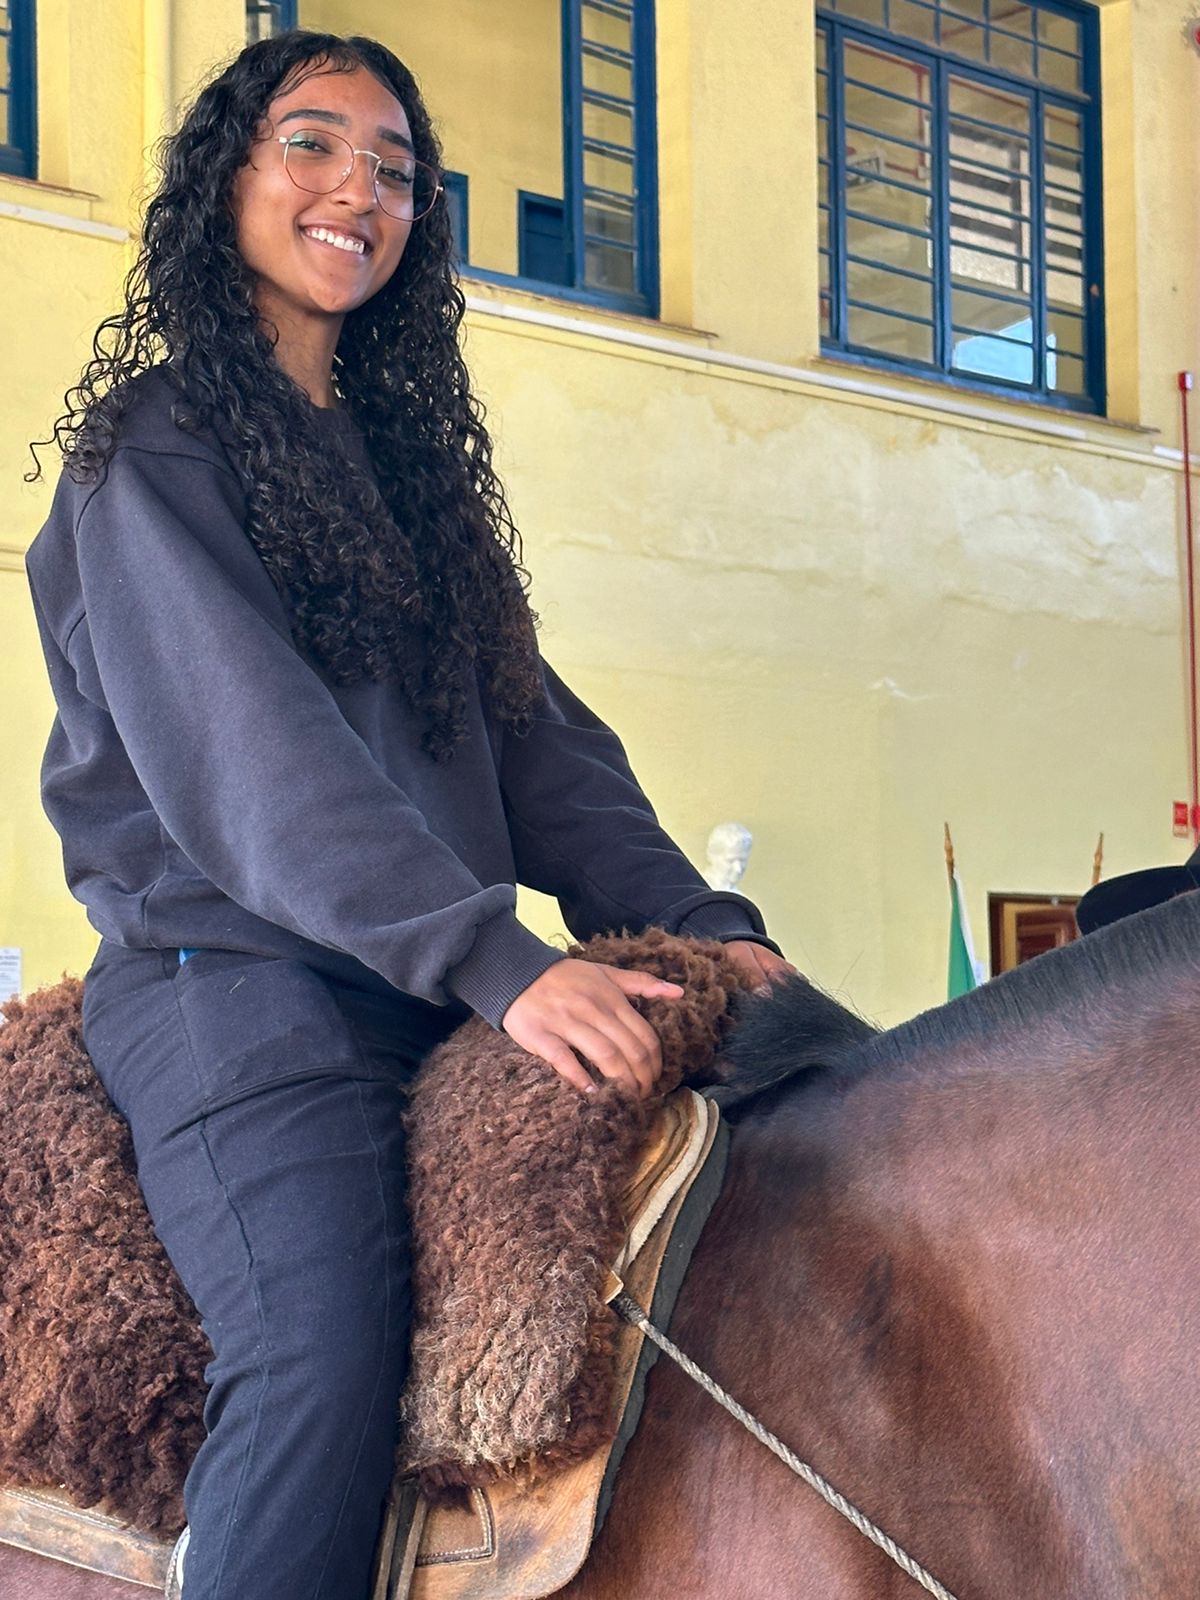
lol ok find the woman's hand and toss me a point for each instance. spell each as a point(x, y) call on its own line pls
point(761, 966)
point(580, 1008)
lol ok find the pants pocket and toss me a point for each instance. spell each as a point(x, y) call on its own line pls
point(253, 1021)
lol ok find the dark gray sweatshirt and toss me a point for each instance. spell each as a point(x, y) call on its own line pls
point(212, 788)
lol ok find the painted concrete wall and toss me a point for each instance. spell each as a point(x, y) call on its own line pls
point(839, 608)
point(491, 72)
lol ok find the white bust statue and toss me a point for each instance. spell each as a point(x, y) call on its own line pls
point(728, 850)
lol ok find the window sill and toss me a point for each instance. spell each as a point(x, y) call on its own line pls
point(965, 401)
point(40, 186)
point(641, 338)
point(554, 310)
point(53, 205)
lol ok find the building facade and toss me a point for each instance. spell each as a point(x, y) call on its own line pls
point(832, 352)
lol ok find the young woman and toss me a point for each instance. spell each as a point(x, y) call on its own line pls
point(305, 748)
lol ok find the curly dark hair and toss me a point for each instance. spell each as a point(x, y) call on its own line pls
point(417, 577)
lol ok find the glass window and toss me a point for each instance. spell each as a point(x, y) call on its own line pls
point(957, 180)
point(18, 89)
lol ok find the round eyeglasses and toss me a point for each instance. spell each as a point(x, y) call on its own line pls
point(320, 161)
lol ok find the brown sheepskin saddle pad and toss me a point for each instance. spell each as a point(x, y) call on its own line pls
point(525, 1538)
point(518, 1188)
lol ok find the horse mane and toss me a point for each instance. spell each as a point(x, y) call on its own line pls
point(1120, 975)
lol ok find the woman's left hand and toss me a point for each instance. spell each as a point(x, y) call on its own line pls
point(760, 966)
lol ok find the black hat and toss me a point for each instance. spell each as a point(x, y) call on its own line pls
point(1135, 891)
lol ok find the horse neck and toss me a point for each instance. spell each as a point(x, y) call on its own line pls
point(957, 1254)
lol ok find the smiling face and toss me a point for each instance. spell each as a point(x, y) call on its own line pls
point(304, 276)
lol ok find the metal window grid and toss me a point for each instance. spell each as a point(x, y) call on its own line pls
point(635, 210)
point(18, 88)
point(1060, 225)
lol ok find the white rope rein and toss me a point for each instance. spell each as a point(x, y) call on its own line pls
point(629, 1310)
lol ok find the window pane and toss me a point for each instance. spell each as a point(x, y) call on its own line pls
point(1012, 18)
point(1066, 334)
point(874, 242)
point(995, 107)
point(894, 74)
point(889, 291)
point(610, 123)
point(1012, 55)
point(868, 156)
point(1065, 289)
point(1059, 71)
point(1064, 176)
point(886, 202)
point(1059, 31)
point(602, 171)
point(1066, 375)
point(608, 76)
point(964, 38)
point(1064, 127)
point(609, 268)
point(605, 221)
point(973, 312)
point(1008, 359)
point(890, 336)
point(917, 20)
point(863, 10)
point(605, 27)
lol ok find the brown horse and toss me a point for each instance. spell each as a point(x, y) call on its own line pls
point(959, 1271)
point(956, 1267)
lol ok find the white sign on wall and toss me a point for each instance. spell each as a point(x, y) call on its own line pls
point(10, 971)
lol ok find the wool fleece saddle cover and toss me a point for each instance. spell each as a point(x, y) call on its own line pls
point(521, 1540)
point(518, 1191)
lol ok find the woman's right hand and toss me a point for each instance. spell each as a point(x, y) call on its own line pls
point(580, 1008)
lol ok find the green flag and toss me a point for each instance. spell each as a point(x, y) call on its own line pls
point(962, 976)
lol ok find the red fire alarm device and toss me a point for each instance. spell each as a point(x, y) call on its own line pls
point(1180, 825)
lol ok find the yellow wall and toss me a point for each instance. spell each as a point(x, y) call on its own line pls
point(837, 606)
point(491, 72)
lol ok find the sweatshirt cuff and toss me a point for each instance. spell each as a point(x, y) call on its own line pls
point(501, 964)
point(723, 916)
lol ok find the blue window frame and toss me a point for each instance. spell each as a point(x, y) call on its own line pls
point(458, 204)
point(610, 150)
point(266, 18)
point(609, 228)
point(18, 89)
point(961, 230)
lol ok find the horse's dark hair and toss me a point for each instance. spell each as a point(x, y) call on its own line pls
point(800, 1030)
point(419, 579)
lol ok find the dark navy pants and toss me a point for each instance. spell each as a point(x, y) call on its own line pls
point(265, 1105)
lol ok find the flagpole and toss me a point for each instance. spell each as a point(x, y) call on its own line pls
point(1098, 861)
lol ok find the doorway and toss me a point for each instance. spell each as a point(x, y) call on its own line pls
point(1021, 926)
